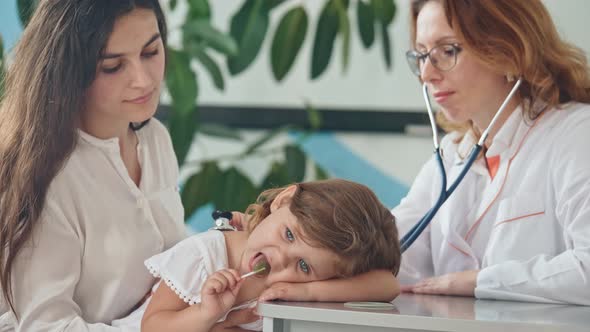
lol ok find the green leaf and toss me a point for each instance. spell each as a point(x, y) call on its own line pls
point(181, 82)
point(321, 173)
point(182, 127)
point(198, 9)
point(313, 116)
point(265, 138)
point(386, 45)
point(384, 10)
point(324, 39)
point(26, 8)
point(198, 189)
point(217, 130)
point(236, 191)
point(344, 30)
point(287, 41)
point(210, 65)
point(248, 28)
point(272, 4)
point(295, 163)
point(366, 23)
point(277, 177)
point(172, 4)
point(202, 30)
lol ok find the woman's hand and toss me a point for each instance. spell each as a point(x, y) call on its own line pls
point(287, 291)
point(458, 283)
point(239, 221)
point(219, 293)
point(236, 318)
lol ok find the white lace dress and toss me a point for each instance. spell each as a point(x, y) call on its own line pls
point(185, 268)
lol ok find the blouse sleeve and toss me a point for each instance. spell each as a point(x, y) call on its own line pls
point(45, 275)
point(187, 265)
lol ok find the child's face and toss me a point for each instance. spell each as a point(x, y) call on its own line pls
point(130, 72)
point(278, 240)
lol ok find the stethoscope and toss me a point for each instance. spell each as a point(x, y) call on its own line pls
point(222, 219)
point(445, 193)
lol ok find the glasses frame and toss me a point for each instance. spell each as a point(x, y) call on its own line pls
point(413, 57)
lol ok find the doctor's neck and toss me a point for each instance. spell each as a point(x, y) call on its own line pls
point(483, 119)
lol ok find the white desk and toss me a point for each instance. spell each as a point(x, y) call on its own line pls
point(426, 313)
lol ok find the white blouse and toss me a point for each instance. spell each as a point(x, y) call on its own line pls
point(185, 268)
point(84, 265)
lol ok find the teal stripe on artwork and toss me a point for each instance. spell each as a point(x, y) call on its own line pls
point(340, 161)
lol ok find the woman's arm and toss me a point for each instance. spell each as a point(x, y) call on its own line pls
point(378, 285)
point(417, 260)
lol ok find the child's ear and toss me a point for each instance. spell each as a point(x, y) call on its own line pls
point(284, 197)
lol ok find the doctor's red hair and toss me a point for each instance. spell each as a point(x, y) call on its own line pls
point(518, 38)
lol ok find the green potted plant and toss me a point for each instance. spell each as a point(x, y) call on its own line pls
point(229, 188)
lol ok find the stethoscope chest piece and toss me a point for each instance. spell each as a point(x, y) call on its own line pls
point(222, 219)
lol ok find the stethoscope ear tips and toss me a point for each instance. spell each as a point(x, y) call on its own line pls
point(222, 219)
point(221, 214)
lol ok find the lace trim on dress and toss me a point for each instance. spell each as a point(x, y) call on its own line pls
point(182, 294)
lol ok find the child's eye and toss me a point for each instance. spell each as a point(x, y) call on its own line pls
point(303, 266)
point(289, 235)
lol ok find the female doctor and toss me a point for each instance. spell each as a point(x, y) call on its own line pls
point(518, 226)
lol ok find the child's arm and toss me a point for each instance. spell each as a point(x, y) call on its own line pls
point(378, 285)
point(167, 312)
point(236, 318)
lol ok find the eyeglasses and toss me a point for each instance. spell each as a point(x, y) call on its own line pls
point(443, 57)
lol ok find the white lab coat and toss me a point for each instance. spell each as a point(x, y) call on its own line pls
point(528, 229)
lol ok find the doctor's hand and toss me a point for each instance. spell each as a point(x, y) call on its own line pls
point(458, 283)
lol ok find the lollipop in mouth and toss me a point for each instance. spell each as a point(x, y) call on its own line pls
point(262, 267)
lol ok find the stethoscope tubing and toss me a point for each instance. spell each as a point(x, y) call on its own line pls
point(411, 236)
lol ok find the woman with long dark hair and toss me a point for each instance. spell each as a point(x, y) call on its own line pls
point(88, 179)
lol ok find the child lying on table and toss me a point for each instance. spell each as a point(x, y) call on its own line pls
point(300, 234)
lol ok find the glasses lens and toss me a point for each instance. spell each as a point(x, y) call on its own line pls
point(444, 57)
point(413, 61)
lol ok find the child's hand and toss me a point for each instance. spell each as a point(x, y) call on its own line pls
point(219, 293)
point(287, 291)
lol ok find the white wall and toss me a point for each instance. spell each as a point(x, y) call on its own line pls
point(367, 84)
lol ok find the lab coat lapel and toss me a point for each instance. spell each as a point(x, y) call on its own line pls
point(456, 213)
point(494, 190)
